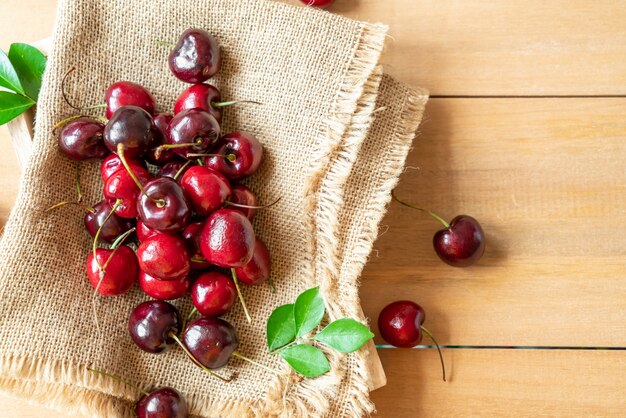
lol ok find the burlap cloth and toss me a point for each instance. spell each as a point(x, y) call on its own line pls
point(336, 134)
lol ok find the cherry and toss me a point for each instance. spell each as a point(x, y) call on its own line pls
point(211, 341)
point(163, 206)
point(81, 139)
point(151, 325)
point(155, 156)
point(164, 257)
point(125, 93)
point(120, 270)
point(130, 126)
point(242, 195)
point(322, 4)
point(196, 56)
point(120, 185)
point(400, 324)
point(461, 243)
point(227, 239)
point(173, 168)
point(257, 270)
point(191, 235)
point(143, 232)
point(112, 163)
point(192, 131)
point(163, 402)
point(200, 96)
point(213, 293)
point(163, 289)
point(112, 228)
point(247, 151)
point(208, 190)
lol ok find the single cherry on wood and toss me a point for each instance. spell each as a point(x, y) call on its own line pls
point(127, 93)
point(400, 324)
point(112, 272)
point(462, 241)
point(151, 325)
point(82, 139)
point(247, 152)
point(196, 56)
point(213, 294)
point(164, 257)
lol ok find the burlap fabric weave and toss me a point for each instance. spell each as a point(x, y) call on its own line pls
point(336, 133)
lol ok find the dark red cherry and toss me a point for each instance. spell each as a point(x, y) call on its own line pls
point(196, 56)
point(171, 169)
point(207, 189)
point(213, 293)
point(257, 270)
point(200, 96)
point(248, 153)
point(127, 93)
point(112, 163)
point(143, 232)
point(462, 244)
point(191, 235)
point(81, 139)
point(164, 257)
point(195, 127)
point(163, 289)
point(151, 325)
point(160, 123)
point(211, 341)
point(242, 195)
point(132, 127)
point(322, 4)
point(400, 323)
point(120, 185)
point(227, 239)
point(112, 229)
point(166, 209)
point(120, 267)
point(163, 402)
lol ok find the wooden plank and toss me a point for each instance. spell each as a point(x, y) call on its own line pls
point(503, 383)
point(547, 180)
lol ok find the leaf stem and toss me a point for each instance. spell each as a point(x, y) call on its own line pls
point(433, 214)
point(241, 299)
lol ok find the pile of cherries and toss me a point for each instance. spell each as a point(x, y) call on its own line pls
point(193, 219)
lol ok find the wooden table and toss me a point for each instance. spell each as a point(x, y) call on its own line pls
point(526, 131)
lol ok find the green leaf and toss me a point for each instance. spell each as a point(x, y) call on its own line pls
point(12, 105)
point(307, 360)
point(345, 335)
point(29, 63)
point(8, 76)
point(308, 311)
point(281, 327)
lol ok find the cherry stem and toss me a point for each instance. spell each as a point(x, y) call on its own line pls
point(60, 204)
point(191, 315)
point(199, 260)
point(230, 157)
point(180, 171)
point(164, 43)
point(120, 153)
point(239, 205)
point(434, 215)
point(202, 366)
point(263, 366)
point(79, 192)
point(64, 122)
point(443, 366)
point(119, 240)
point(119, 379)
point(233, 102)
point(96, 238)
point(241, 299)
point(69, 103)
point(270, 283)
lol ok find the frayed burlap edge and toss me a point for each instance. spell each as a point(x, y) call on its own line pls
point(71, 389)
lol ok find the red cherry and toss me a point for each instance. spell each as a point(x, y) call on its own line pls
point(196, 56)
point(211, 341)
point(124, 93)
point(121, 270)
point(242, 195)
point(120, 185)
point(193, 131)
point(81, 139)
point(462, 244)
point(257, 270)
point(130, 126)
point(200, 96)
point(213, 293)
point(112, 163)
point(163, 402)
point(163, 289)
point(207, 189)
point(227, 239)
point(143, 232)
point(191, 235)
point(114, 226)
point(171, 169)
point(322, 4)
point(164, 257)
point(160, 123)
point(400, 323)
point(166, 209)
point(247, 152)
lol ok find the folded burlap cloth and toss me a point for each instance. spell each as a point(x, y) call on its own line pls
point(336, 134)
